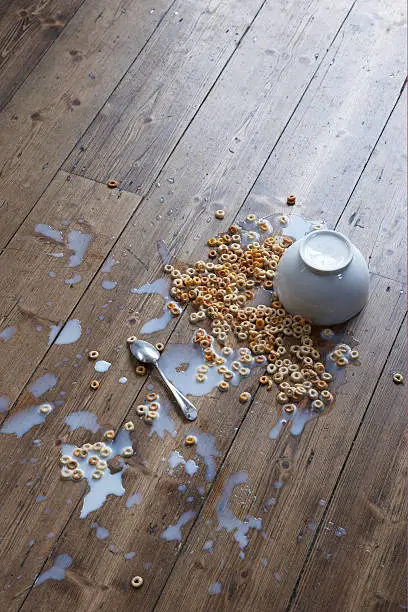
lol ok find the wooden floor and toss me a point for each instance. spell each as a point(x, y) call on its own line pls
point(194, 106)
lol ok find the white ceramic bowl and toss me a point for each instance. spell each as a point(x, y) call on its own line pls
point(323, 277)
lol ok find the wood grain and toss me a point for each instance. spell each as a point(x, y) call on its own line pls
point(31, 299)
point(240, 122)
point(294, 472)
point(261, 86)
point(385, 215)
point(226, 180)
point(27, 30)
point(339, 120)
point(59, 99)
point(370, 502)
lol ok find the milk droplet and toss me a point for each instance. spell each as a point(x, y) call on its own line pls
point(108, 285)
point(78, 243)
point(133, 500)
point(173, 532)
point(74, 280)
point(48, 232)
point(57, 571)
point(108, 265)
point(101, 532)
point(102, 366)
point(8, 333)
point(43, 384)
point(215, 588)
point(4, 403)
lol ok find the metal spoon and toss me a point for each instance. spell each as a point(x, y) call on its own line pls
point(147, 353)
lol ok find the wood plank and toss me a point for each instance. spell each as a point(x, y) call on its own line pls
point(147, 113)
point(370, 503)
point(293, 473)
point(200, 26)
point(139, 234)
point(339, 120)
point(35, 294)
point(233, 178)
point(27, 30)
point(385, 215)
point(59, 99)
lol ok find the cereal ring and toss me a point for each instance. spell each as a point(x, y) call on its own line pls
point(136, 582)
point(112, 184)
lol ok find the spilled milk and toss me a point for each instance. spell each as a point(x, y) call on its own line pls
point(19, 423)
point(8, 333)
point(77, 242)
point(109, 484)
point(177, 459)
point(70, 333)
point(159, 287)
point(133, 500)
point(43, 384)
point(57, 571)
point(173, 532)
point(85, 419)
point(179, 362)
point(227, 519)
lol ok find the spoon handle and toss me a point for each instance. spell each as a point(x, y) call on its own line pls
point(186, 406)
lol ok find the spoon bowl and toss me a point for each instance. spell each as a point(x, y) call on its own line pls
point(147, 353)
point(144, 351)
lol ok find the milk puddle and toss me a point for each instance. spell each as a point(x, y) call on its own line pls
point(109, 484)
point(173, 532)
point(76, 241)
point(180, 362)
point(57, 571)
point(159, 287)
point(19, 423)
point(227, 519)
point(67, 334)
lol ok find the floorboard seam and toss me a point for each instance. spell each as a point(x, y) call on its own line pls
point(90, 123)
point(328, 505)
point(243, 203)
point(371, 152)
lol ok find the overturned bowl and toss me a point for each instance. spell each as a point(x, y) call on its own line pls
point(323, 277)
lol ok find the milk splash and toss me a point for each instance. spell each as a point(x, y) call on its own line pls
point(109, 484)
point(158, 287)
point(226, 518)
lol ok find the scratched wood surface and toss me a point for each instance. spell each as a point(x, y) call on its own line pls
point(61, 96)
point(251, 101)
point(27, 30)
point(231, 184)
point(373, 489)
